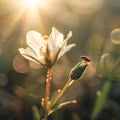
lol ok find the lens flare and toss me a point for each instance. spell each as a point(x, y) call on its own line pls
point(30, 3)
point(33, 3)
point(115, 36)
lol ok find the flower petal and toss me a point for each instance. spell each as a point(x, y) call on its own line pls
point(55, 39)
point(61, 45)
point(29, 54)
point(69, 35)
point(66, 49)
point(35, 41)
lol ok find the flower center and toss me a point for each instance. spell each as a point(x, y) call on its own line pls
point(45, 37)
point(43, 49)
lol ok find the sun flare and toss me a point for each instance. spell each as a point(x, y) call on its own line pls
point(30, 3)
point(34, 3)
point(25, 13)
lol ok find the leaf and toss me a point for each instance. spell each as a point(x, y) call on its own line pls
point(100, 102)
point(61, 105)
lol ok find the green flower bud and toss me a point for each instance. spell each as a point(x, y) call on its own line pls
point(78, 70)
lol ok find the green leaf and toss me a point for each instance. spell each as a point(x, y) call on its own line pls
point(101, 100)
point(61, 105)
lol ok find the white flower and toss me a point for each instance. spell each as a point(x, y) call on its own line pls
point(45, 50)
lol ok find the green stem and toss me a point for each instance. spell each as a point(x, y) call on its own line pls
point(101, 100)
point(61, 92)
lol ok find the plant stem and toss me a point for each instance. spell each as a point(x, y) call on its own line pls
point(47, 94)
point(61, 92)
point(45, 116)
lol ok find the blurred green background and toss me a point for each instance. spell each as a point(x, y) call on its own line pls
point(96, 32)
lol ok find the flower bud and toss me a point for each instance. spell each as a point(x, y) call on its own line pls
point(79, 69)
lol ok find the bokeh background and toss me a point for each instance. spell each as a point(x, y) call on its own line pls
point(96, 32)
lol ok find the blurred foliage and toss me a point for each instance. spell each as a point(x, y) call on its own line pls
point(93, 23)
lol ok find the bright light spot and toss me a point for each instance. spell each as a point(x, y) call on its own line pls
point(30, 3)
point(31, 10)
point(34, 3)
point(115, 36)
point(98, 93)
